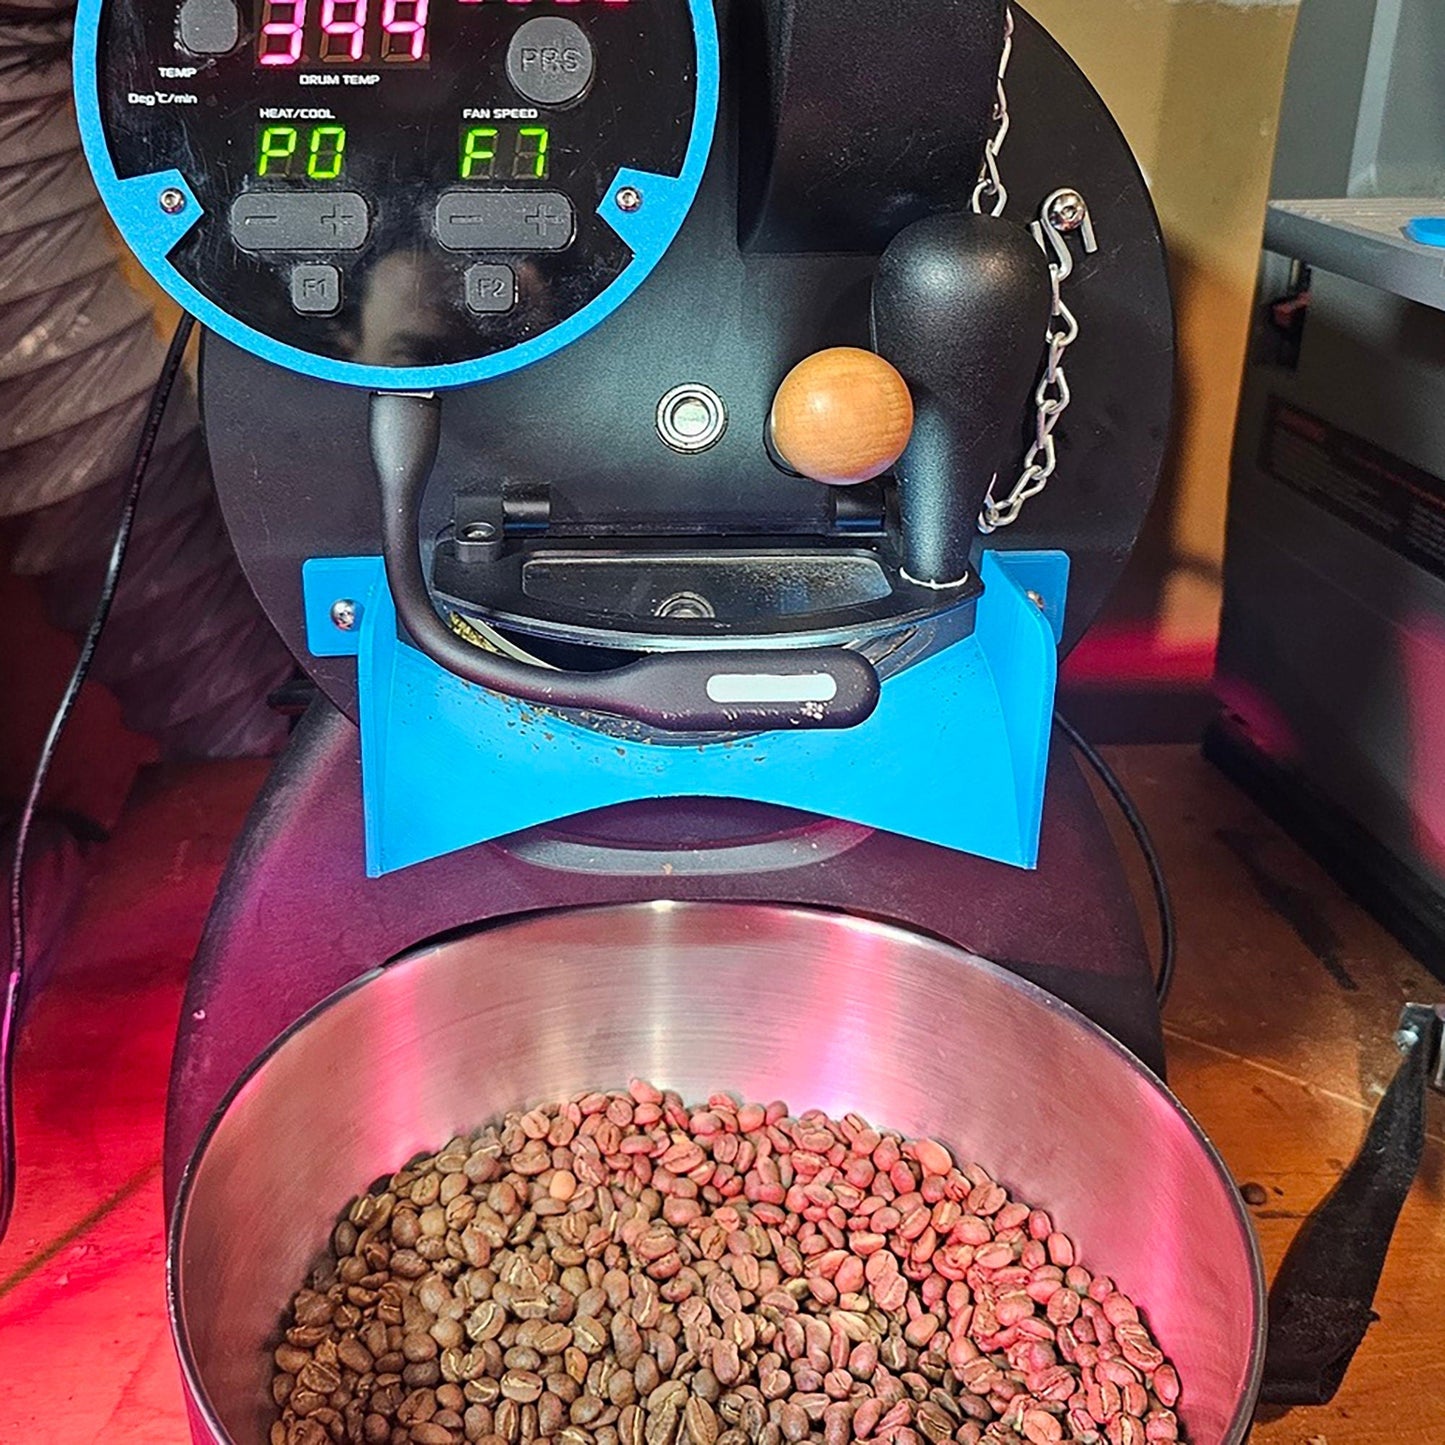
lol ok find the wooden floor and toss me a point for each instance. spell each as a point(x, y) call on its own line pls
point(1279, 1036)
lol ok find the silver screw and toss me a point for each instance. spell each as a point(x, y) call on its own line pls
point(629, 199)
point(685, 604)
point(1068, 211)
point(343, 614)
point(479, 532)
point(173, 201)
point(691, 418)
point(1037, 599)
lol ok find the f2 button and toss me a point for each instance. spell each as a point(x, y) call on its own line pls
point(315, 289)
point(490, 289)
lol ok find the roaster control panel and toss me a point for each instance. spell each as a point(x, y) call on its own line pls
point(399, 190)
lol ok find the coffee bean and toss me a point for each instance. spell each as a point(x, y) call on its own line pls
point(354, 1355)
point(626, 1341)
point(793, 1422)
point(727, 1363)
point(321, 1378)
point(507, 1420)
point(662, 1425)
point(631, 1424)
point(700, 1421)
point(419, 1347)
point(521, 1385)
point(290, 1359)
point(647, 1375)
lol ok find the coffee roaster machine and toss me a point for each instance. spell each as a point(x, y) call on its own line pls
point(497, 298)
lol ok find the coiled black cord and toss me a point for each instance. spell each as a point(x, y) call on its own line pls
point(1168, 940)
point(15, 974)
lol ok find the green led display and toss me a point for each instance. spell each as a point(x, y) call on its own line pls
point(530, 157)
point(295, 153)
point(479, 152)
point(519, 153)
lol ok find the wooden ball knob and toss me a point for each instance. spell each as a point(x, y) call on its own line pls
point(842, 417)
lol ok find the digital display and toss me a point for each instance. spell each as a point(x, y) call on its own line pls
point(300, 152)
point(407, 184)
point(504, 152)
point(308, 33)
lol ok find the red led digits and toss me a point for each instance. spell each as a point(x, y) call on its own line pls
point(403, 23)
point(342, 32)
point(343, 29)
point(282, 32)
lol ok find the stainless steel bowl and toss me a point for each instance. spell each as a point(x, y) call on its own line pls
point(817, 1008)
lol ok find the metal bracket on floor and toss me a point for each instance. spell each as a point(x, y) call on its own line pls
point(1422, 1026)
point(1322, 1301)
point(955, 754)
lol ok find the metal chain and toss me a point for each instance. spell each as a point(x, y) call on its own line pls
point(1063, 213)
point(990, 194)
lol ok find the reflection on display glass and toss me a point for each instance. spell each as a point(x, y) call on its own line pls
point(491, 152)
point(341, 32)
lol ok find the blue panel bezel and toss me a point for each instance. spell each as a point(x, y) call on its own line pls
point(151, 234)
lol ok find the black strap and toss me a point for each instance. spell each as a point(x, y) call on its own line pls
point(1323, 1297)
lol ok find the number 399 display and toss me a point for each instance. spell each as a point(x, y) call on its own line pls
point(341, 32)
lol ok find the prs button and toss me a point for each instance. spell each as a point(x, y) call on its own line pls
point(550, 60)
point(315, 289)
point(276, 221)
point(505, 221)
point(490, 289)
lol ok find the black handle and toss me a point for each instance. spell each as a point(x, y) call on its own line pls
point(685, 692)
point(961, 306)
point(1322, 1301)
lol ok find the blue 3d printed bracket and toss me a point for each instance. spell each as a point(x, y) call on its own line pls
point(954, 755)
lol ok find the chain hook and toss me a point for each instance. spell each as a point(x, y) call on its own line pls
point(1064, 213)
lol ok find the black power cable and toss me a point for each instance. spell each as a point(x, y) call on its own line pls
point(15, 974)
point(1168, 940)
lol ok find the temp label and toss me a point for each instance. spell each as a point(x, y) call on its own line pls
point(1372, 490)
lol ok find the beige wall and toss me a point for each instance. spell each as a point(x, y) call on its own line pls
point(1196, 86)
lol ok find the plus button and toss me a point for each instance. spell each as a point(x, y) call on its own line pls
point(547, 221)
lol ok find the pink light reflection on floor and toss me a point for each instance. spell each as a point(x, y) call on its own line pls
point(85, 1350)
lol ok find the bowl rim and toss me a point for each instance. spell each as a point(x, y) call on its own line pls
point(198, 1398)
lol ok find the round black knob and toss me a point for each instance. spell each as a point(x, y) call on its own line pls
point(961, 304)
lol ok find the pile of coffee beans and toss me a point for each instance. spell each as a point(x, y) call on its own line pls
point(621, 1269)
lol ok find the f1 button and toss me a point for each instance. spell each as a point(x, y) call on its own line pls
point(315, 289)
